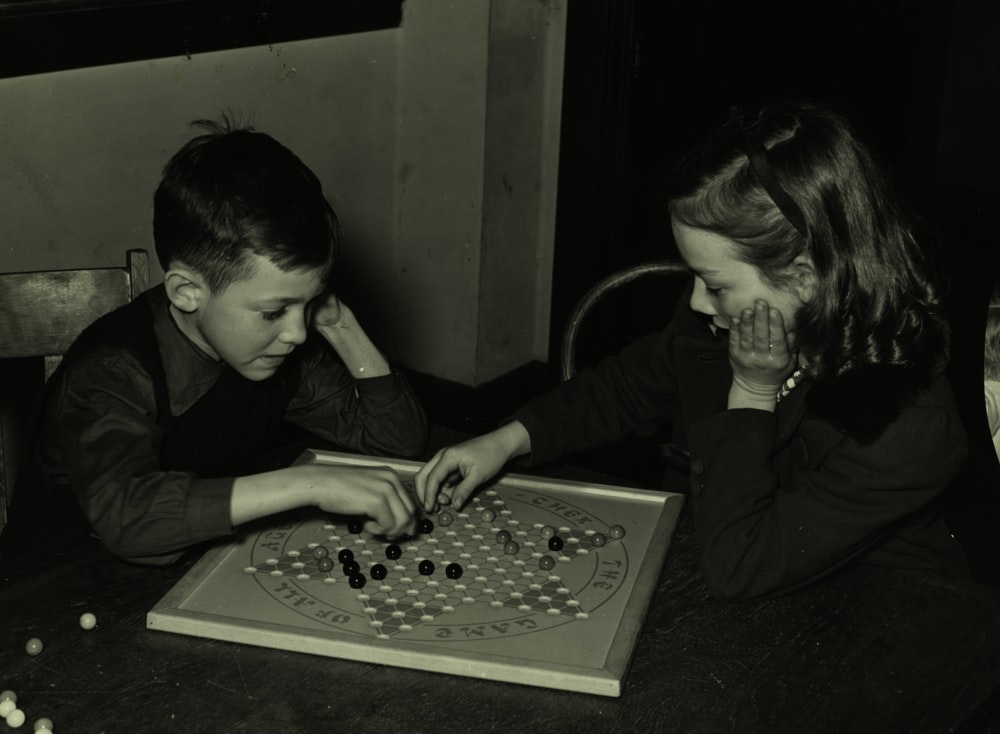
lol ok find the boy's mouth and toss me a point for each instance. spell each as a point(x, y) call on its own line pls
point(273, 358)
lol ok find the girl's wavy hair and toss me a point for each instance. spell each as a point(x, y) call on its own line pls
point(991, 367)
point(232, 192)
point(875, 301)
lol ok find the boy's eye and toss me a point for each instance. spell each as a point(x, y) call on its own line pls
point(273, 315)
point(713, 291)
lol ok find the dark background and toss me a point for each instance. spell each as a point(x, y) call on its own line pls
point(645, 81)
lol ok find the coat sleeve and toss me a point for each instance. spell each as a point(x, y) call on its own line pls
point(632, 393)
point(102, 440)
point(377, 415)
point(769, 521)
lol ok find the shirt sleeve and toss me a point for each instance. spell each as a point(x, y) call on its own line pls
point(375, 415)
point(768, 523)
point(102, 441)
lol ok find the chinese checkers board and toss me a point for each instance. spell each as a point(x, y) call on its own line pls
point(541, 582)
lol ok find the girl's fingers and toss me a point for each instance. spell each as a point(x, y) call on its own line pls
point(759, 333)
point(776, 328)
point(761, 328)
point(734, 334)
point(746, 330)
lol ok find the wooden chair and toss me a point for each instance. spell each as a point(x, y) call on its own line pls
point(42, 312)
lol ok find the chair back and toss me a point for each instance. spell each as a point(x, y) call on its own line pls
point(673, 270)
point(616, 310)
point(42, 312)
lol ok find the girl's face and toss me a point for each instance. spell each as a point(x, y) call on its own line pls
point(724, 285)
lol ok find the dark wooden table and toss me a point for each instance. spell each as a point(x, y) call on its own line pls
point(868, 651)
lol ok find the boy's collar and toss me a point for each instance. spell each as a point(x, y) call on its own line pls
point(190, 373)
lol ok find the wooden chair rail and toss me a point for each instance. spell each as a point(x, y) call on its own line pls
point(602, 289)
point(42, 312)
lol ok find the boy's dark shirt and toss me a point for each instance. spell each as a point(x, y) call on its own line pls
point(148, 433)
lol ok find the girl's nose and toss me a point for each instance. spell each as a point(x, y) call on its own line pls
point(700, 300)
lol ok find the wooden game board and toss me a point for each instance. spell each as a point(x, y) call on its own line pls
point(573, 627)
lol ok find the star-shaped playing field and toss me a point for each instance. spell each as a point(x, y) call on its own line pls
point(480, 555)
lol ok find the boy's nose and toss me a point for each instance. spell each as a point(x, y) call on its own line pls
point(294, 331)
point(700, 302)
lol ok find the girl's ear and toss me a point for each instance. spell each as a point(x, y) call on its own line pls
point(186, 290)
point(803, 274)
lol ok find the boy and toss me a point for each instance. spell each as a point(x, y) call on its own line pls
point(160, 417)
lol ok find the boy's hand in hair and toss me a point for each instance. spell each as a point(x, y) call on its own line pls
point(327, 311)
point(338, 325)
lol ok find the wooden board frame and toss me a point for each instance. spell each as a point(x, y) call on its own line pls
point(182, 610)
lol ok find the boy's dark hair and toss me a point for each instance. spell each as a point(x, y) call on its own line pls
point(875, 301)
point(232, 192)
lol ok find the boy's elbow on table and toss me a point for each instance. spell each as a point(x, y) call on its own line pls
point(133, 550)
point(147, 542)
point(416, 444)
point(408, 446)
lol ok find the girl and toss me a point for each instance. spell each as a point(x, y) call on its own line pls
point(991, 371)
point(803, 369)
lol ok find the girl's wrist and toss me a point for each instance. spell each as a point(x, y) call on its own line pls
point(757, 388)
point(749, 395)
point(515, 439)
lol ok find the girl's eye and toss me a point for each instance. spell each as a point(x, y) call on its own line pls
point(714, 292)
point(273, 315)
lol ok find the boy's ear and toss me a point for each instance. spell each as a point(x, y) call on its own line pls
point(804, 277)
point(186, 290)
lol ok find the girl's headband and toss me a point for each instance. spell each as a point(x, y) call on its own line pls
point(757, 155)
point(751, 145)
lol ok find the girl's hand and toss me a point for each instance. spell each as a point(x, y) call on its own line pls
point(761, 353)
point(453, 473)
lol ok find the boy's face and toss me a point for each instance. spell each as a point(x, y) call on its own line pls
point(724, 285)
point(254, 324)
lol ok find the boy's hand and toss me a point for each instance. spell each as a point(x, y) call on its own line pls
point(761, 352)
point(374, 492)
point(336, 323)
point(327, 311)
point(453, 473)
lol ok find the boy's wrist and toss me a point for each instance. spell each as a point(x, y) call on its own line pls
point(350, 341)
point(343, 328)
point(302, 483)
point(259, 495)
